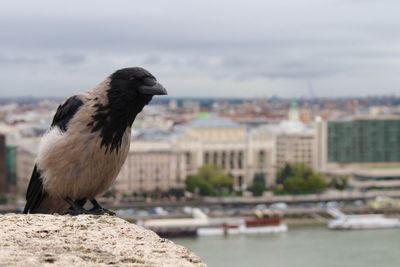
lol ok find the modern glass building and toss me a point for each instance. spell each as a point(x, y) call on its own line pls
point(363, 140)
point(11, 166)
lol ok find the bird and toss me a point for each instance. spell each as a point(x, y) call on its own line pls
point(82, 152)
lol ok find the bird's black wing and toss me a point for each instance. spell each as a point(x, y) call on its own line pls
point(65, 112)
point(35, 193)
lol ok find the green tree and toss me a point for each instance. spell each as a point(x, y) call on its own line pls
point(3, 198)
point(258, 187)
point(197, 184)
point(338, 182)
point(284, 173)
point(302, 180)
point(210, 180)
point(176, 192)
point(316, 183)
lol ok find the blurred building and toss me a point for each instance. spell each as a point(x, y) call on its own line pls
point(150, 167)
point(360, 141)
point(2, 116)
point(364, 140)
point(240, 152)
point(295, 148)
point(3, 171)
point(366, 149)
point(163, 161)
point(11, 166)
point(295, 141)
point(26, 156)
point(375, 179)
point(294, 114)
point(191, 105)
point(173, 104)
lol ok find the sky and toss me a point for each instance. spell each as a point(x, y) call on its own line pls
point(207, 48)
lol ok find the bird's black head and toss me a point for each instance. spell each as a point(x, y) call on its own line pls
point(136, 82)
point(129, 91)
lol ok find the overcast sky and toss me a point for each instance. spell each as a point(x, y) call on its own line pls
point(290, 48)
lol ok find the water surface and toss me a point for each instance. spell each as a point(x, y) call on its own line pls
point(301, 247)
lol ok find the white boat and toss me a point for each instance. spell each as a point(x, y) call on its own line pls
point(261, 223)
point(177, 226)
point(342, 221)
point(241, 229)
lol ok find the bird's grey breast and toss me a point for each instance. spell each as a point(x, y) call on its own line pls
point(74, 162)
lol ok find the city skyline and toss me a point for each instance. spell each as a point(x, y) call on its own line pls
point(266, 48)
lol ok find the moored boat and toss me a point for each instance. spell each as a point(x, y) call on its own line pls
point(177, 226)
point(342, 221)
point(263, 222)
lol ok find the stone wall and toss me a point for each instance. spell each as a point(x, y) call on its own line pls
point(85, 240)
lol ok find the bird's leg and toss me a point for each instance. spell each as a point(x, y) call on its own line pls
point(76, 207)
point(81, 202)
point(99, 210)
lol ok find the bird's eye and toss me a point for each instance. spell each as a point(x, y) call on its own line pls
point(132, 78)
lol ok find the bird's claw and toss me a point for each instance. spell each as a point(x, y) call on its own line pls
point(76, 208)
point(74, 212)
point(90, 212)
point(101, 211)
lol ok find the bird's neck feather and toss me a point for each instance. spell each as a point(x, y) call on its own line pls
point(112, 119)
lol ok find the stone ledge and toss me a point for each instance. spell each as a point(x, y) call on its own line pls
point(85, 240)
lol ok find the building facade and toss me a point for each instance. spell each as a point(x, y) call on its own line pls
point(375, 179)
point(365, 149)
point(11, 166)
point(295, 148)
point(26, 156)
point(149, 168)
point(240, 152)
point(3, 170)
point(364, 140)
point(164, 164)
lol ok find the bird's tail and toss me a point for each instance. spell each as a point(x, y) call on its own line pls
point(39, 201)
point(35, 193)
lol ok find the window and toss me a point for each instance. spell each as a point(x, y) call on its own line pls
point(206, 157)
point(261, 158)
point(231, 160)
point(188, 158)
point(240, 181)
point(240, 160)
point(215, 158)
point(223, 156)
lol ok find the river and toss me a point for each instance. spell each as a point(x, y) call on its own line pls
point(300, 247)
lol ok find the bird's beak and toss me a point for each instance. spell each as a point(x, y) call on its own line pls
point(156, 89)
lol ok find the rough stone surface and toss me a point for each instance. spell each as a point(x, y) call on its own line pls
point(85, 240)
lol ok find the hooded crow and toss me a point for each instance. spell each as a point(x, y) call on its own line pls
point(82, 153)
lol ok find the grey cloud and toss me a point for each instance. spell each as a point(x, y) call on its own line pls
point(284, 69)
point(269, 40)
point(71, 58)
point(152, 60)
point(21, 59)
point(18, 60)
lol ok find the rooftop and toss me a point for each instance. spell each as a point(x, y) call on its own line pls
point(213, 122)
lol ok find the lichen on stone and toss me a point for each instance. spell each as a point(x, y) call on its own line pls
point(85, 240)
